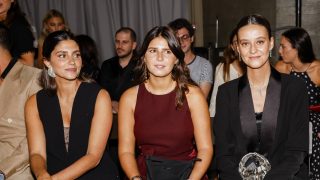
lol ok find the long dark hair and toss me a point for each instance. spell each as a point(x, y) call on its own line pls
point(180, 72)
point(51, 41)
point(301, 41)
point(89, 55)
point(5, 40)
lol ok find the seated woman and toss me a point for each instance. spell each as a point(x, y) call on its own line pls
point(68, 122)
point(166, 114)
point(298, 60)
point(263, 114)
point(230, 68)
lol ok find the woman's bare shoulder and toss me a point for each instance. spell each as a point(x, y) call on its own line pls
point(315, 64)
point(282, 67)
point(130, 95)
point(194, 93)
point(131, 91)
point(32, 101)
point(314, 72)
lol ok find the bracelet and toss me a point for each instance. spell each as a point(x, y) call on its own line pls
point(137, 177)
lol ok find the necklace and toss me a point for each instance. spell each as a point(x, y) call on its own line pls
point(260, 89)
point(295, 69)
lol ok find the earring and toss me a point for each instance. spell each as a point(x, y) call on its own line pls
point(51, 72)
point(270, 54)
point(145, 72)
point(239, 57)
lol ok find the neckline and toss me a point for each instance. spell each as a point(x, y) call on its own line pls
point(73, 104)
point(149, 92)
point(293, 69)
point(195, 56)
point(71, 115)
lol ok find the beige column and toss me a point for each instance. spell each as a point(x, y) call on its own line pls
point(197, 21)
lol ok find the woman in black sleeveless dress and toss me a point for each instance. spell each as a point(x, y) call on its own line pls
point(68, 122)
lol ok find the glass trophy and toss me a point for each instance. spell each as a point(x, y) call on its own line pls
point(253, 166)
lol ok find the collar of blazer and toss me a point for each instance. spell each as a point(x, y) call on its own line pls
point(261, 141)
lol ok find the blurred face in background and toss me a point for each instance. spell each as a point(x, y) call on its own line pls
point(234, 43)
point(286, 51)
point(55, 24)
point(4, 8)
point(184, 39)
point(124, 44)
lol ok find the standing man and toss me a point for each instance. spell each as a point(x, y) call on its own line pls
point(200, 68)
point(17, 83)
point(116, 77)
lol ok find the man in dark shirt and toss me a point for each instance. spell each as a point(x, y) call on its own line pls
point(117, 76)
point(117, 72)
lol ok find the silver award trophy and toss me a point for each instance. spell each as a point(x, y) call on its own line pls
point(253, 166)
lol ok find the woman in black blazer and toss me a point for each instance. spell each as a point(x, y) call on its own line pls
point(263, 111)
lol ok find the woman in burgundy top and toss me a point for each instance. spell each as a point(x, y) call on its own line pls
point(166, 114)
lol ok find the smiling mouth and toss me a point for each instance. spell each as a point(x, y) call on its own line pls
point(159, 66)
point(254, 57)
point(72, 69)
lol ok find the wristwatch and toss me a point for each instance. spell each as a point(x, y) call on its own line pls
point(2, 175)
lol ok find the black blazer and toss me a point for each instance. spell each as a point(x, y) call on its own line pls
point(284, 139)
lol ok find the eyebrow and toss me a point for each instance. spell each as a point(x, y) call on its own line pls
point(260, 37)
point(67, 51)
point(183, 35)
point(158, 48)
point(61, 52)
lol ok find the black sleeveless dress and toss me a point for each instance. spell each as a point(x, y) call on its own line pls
point(58, 157)
point(314, 99)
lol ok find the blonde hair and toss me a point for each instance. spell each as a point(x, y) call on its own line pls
point(51, 14)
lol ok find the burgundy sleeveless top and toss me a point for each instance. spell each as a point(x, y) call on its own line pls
point(161, 129)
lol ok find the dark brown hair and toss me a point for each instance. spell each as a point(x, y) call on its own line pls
point(301, 41)
point(15, 13)
point(128, 30)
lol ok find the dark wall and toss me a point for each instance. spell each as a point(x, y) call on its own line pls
point(229, 13)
